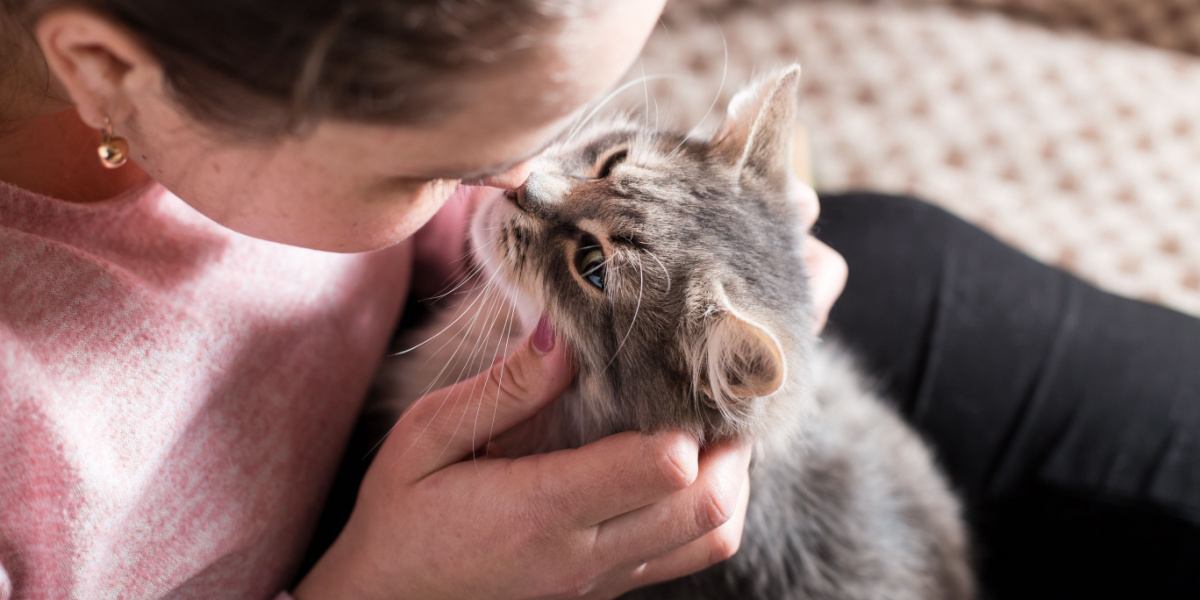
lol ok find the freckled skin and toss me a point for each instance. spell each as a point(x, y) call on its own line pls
point(700, 243)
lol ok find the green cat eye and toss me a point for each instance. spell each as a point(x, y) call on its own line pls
point(589, 261)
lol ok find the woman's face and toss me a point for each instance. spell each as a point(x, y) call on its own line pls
point(352, 187)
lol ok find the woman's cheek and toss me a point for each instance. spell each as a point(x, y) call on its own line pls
point(440, 190)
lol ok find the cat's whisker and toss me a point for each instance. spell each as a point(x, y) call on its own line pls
point(656, 124)
point(646, 95)
point(661, 266)
point(591, 114)
point(472, 273)
point(482, 362)
point(464, 396)
point(444, 329)
point(496, 404)
point(636, 309)
point(610, 267)
point(432, 384)
point(716, 97)
point(487, 288)
point(438, 378)
point(438, 351)
point(505, 330)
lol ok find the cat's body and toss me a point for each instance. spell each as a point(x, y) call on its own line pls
point(853, 509)
point(678, 281)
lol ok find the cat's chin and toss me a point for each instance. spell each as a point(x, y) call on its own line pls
point(486, 253)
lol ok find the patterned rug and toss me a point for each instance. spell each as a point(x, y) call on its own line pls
point(1069, 128)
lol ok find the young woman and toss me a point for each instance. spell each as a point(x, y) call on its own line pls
point(175, 396)
point(182, 357)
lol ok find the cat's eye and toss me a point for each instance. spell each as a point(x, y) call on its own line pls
point(611, 163)
point(589, 261)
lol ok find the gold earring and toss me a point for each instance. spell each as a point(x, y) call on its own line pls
point(113, 150)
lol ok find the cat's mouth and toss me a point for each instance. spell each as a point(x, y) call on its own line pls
point(491, 248)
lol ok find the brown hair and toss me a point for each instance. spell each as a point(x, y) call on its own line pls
point(273, 65)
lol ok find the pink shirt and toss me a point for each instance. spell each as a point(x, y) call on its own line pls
point(174, 396)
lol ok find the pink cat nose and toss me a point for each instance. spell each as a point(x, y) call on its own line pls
point(518, 197)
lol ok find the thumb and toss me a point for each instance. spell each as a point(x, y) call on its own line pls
point(443, 427)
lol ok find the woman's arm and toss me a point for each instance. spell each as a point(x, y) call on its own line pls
point(594, 522)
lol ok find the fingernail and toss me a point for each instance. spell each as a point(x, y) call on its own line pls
point(543, 336)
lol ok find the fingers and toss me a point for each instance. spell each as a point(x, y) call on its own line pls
point(827, 272)
point(430, 433)
point(718, 545)
point(810, 206)
point(684, 516)
point(615, 475)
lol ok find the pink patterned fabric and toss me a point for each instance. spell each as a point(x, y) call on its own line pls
point(173, 396)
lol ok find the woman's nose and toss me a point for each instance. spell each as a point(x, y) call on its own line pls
point(510, 179)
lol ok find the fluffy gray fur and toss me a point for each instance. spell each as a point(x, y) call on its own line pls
point(704, 324)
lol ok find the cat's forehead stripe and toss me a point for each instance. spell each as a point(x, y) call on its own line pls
point(596, 147)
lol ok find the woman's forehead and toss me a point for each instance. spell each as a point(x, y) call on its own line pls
point(507, 113)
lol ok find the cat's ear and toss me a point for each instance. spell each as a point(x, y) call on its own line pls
point(743, 359)
point(760, 128)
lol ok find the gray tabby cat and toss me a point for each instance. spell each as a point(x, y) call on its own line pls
point(674, 268)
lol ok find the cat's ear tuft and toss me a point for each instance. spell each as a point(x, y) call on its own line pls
point(743, 359)
point(760, 128)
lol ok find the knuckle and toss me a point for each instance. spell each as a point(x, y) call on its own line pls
point(716, 507)
point(810, 203)
point(676, 464)
point(545, 509)
point(537, 530)
point(551, 507)
point(837, 263)
point(511, 378)
point(723, 545)
point(421, 415)
point(576, 583)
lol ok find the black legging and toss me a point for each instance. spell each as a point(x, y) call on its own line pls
point(1066, 417)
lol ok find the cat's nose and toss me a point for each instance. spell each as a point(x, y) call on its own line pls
point(519, 197)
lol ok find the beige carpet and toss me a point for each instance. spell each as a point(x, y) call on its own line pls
point(1069, 128)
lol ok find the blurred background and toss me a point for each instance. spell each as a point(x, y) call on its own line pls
point(1068, 128)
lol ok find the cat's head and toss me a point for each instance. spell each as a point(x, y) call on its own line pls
point(672, 265)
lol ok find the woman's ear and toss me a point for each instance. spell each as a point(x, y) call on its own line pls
point(760, 128)
point(100, 65)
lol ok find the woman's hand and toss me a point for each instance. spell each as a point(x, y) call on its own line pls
point(827, 270)
point(594, 522)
